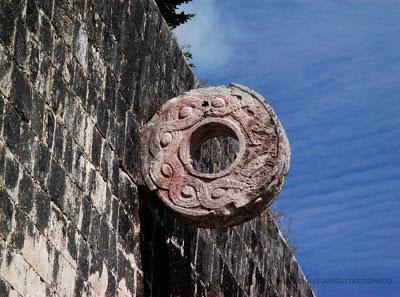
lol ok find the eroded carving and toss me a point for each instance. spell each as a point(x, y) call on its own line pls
point(243, 189)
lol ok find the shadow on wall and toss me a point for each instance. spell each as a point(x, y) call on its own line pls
point(153, 248)
point(168, 251)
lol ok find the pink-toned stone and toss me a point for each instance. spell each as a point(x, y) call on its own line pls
point(239, 192)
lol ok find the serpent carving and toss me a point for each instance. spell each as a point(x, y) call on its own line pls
point(237, 193)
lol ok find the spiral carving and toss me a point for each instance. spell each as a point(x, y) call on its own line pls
point(237, 193)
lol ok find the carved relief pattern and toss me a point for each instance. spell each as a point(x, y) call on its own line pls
point(235, 194)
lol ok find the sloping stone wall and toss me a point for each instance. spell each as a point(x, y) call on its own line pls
point(252, 259)
point(77, 79)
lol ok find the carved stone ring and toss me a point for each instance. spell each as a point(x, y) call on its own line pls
point(235, 194)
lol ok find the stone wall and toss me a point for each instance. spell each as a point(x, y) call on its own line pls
point(252, 259)
point(77, 79)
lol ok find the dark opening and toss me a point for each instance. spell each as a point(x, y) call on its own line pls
point(205, 104)
point(213, 148)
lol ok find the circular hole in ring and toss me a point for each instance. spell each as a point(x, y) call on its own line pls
point(213, 148)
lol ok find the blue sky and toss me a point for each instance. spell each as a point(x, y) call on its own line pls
point(331, 71)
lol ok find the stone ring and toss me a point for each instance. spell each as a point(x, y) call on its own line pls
point(233, 194)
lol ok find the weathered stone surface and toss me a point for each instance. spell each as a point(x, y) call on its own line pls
point(228, 197)
point(77, 80)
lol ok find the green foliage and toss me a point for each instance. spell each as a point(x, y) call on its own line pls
point(186, 50)
point(168, 10)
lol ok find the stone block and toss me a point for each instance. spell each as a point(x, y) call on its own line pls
point(22, 44)
point(85, 217)
point(32, 16)
point(81, 44)
point(45, 76)
point(96, 147)
point(58, 94)
point(21, 94)
point(56, 184)
point(41, 164)
point(72, 201)
point(25, 193)
point(8, 16)
point(42, 206)
point(80, 83)
point(7, 210)
point(11, 175)
point(46, 35)
point(37, 114)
